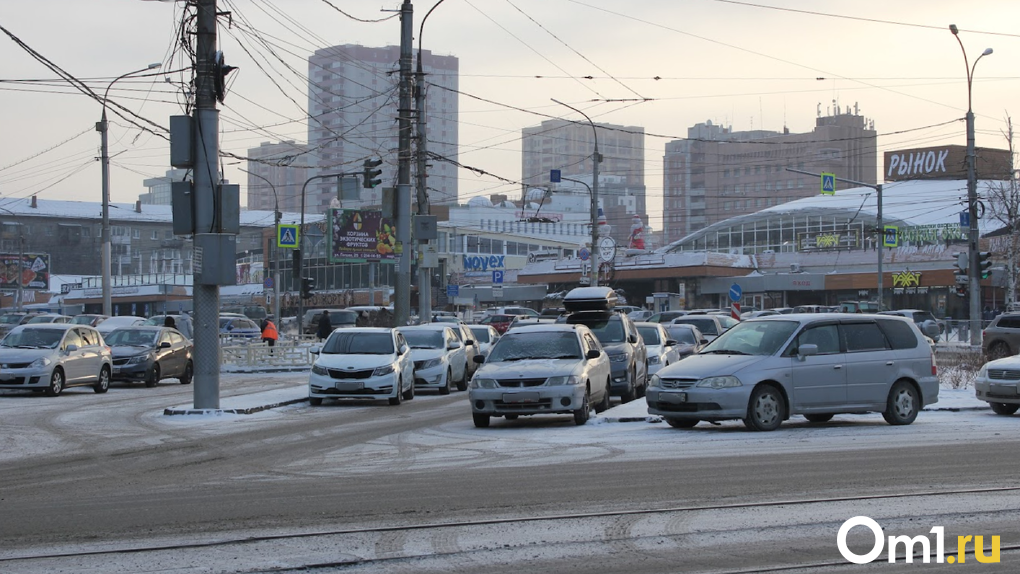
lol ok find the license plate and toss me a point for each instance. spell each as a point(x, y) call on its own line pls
point(520, 397)
point(673, 397)
point(1003, 389)
point(116, 369)
point(350, 386)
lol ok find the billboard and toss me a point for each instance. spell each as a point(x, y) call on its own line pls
point(360, 236)
point(31, 270)
point(946, 162)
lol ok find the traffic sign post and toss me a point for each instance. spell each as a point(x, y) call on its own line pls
point(890, 236)
point(288, 236)
point(828, 183)
point(453, 291)
point(497, 277)
point(497, 291)
point(584, 254)
point(736, 293)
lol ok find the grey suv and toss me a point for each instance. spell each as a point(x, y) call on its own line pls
point(1002, 337)
point(817, 365)
point(628, 357)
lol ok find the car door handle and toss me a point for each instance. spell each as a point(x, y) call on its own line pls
point(837, 367)
point(889, 363)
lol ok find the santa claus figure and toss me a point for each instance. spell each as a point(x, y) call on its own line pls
point(637, 234)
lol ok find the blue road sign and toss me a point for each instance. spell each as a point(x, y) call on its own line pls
point(287, 236)
point(555, 176)
point(735, 292)
point(453, 290)
point(891, 236)
point(965, 219)
point(584, 254)
point(267, 282)
point(497, 277)
point(829, 183)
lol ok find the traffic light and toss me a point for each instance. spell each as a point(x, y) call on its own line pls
point(962, 272)
point(295, 260)
point(961, 290)
point(371, 173)
point(307, 285)
point(985, 264)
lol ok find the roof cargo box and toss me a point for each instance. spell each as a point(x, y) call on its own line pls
point(589, 299)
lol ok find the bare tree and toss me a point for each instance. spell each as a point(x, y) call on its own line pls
point(1004, 207)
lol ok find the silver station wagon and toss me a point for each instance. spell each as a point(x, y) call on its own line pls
point(817, 365)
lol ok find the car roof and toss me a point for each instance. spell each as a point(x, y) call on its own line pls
point(54, 326)
point(545, 327)
point(367, 330)
point(427, 327)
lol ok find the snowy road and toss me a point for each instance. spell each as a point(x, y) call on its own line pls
point(85, 473)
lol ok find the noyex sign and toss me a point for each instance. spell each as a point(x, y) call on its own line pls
point(483, 262)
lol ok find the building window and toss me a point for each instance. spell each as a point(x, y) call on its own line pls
point(86, 232)
point(136, 233)
point(155, 235)
point(168, 234)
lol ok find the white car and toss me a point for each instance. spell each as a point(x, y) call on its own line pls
point(439, 357)
point(362, 363)
point(998, 384)
point(542, 369)
point(119, 321)
point(661, 349)
point(50, 357)
point(485, 337)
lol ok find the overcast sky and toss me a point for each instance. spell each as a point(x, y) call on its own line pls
point(761, 65)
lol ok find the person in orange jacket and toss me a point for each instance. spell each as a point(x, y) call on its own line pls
point(269, 332)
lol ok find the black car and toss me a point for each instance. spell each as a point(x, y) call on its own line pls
point(150, 354)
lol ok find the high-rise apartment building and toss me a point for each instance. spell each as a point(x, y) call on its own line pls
point(276, 173)
point(717, 173)
point(353, 98)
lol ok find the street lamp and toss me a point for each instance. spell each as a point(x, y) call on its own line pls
point(21, 260)
point(102, 127)
point(275, 247)
point(298, 272)
point(973, 274)
point(596, 158)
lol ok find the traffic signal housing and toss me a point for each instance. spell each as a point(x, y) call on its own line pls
point(962, 271)
point(307, 287)
point(371, 173)
point(985, 264)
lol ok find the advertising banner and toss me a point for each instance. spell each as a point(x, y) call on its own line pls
point(32, 270)
point(360, 236)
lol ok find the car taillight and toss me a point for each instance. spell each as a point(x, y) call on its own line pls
point(934, 368)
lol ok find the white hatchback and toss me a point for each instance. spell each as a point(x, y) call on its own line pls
point(362, 363)
point(438, 355)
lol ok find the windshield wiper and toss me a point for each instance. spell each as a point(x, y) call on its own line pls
point(723, 352)
point(423, 347)
point(560, 357)
point(28, 346)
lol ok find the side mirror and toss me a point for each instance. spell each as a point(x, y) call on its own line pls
point(402, 349)
point(164, 345)
point(593, 354)
point(632, 339)
point(469, 342)
point(71, 348)
point(703, 341)
point(479, 359)
point(452, 346)
point(670, 343)
point(315, 350)
point(806, 350)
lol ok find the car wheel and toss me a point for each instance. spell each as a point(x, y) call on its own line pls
point(152, 379)
point(445, 389)
point(604, 403)
point(409, 393)
point(1003, 408)
point(644, 386)
point(682, 423)
point(481, 420)
point(103, 384)
point(581, 414)
point(630, 392)
point(766, 409)
point(396, 399)
point(315, 401)
point(56, 383)
point(462, 384)
point(189, 373)
point(818, 418)
point(998, 350)
point(902, 405)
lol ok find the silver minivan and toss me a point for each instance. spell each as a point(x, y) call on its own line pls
point(817, 365)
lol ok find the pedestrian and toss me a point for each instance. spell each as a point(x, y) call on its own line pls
point(325, 327)
point(168, 321)
point(269, 333)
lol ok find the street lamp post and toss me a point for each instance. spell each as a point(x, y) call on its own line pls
point(299, 271)
point(275, 248)
point(595, 159)
point(973, 273)
point(594, 253)
point(103, 127)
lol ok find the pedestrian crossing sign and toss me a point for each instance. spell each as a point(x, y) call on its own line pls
point(828, 184)
point(287, 236)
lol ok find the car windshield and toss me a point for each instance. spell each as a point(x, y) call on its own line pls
point(650, 335)
point(41, 319)
point(82, 320)
point(682, 335)
point(607, 331)
point(706, 325)
point(753, 338)
point(347, 343)
point(132, 338)
point(34, 339)
point(423, 339)
point(342, 318)
point(520, 346)
point(481, 334)
point(727, 322)
point(11, 319)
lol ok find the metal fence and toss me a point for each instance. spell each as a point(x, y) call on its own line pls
point(288, 353)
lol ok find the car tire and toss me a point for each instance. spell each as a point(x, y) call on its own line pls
point(481, 420)
point(766, 409)
point(445, 389)
point(581, 414)
point(1004, 409)
point(152, 377)
point(56, 383)
point(682, 423)
point(818, 418)
point(396, 400)
point(998, 350)
point(604, 403)
point(902, 404)
point(631, 391)
point(103, 384)
point(644, 386)
point(189, 374)
point(315, 401)
point(409, 393)
point(462, 384)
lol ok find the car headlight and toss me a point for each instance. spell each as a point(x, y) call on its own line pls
point(654, 381)
point(384, 370)
point(618, 357)
point(653, 360)
point(569, 380)
point(719, 382)
point(39, 363)
point(982, 372)
point(137, 359)
point(477, 383)
point(318, 370)
point(431, 363)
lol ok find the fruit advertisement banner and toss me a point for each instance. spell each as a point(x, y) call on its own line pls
point(360, 236)
point(31, 270)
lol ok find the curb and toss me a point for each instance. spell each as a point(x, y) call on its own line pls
point(657, 419)
point(243, 411)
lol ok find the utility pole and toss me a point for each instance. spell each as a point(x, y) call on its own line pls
point(595, 159)
point(424, 273)
point(402, 209)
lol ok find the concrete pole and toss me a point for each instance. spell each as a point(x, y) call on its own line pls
point(881, 242)
point(106, 253)
point(402, 282)
point(424, 273)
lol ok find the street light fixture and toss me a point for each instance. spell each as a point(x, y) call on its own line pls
point(596, 158)
point(102, 127)
point(973, 274)
point(275, 247)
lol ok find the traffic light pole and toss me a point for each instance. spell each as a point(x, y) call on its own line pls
point(402, 282)
point(298, 271)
